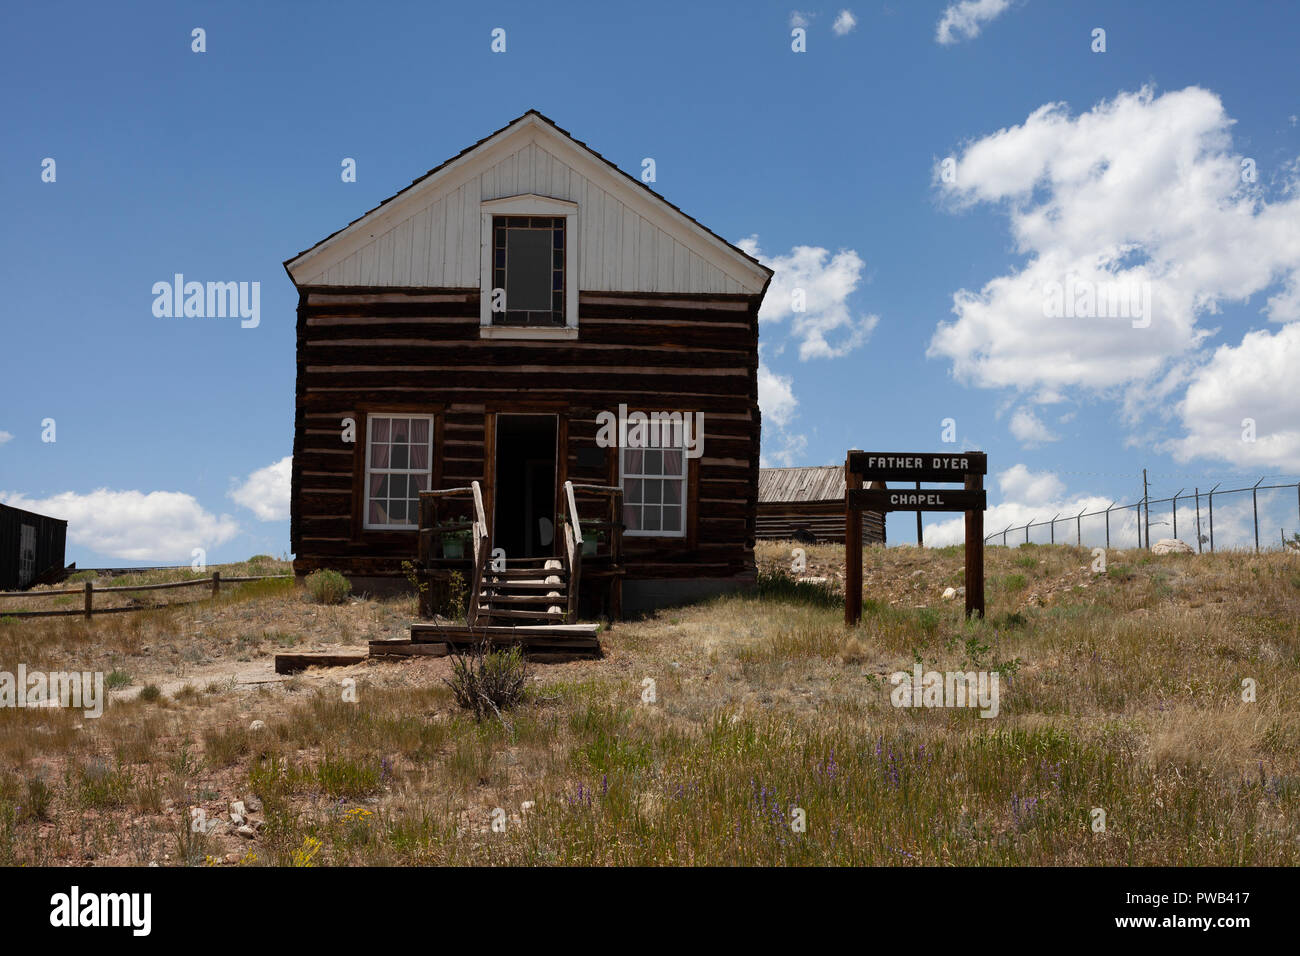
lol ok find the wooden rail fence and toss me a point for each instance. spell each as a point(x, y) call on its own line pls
point(88, 591)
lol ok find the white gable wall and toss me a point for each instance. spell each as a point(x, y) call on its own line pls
point(431, 237)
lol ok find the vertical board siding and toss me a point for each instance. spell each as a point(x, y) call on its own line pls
point(438, 245)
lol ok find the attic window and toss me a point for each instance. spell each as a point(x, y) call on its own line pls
point(528, 264)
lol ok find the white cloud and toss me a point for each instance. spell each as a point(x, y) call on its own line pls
point(5, 436)
point(1258, 379)
point(1030, 487)
point(133, 525)
point(844, 23)
point(826, 283)
point(777, 403)
point(265, 492)
point(1038, 497)
point(965, 20)
point(775, 396)
point(1029, 429)
point(1142, 192)
point(800, 18)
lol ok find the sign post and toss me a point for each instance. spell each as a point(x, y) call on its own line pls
point(969, 468)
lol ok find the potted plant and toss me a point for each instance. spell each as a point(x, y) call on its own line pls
point(453, 544)
point(590, 541)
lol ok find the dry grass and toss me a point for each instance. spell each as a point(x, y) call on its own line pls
point(1120, 691)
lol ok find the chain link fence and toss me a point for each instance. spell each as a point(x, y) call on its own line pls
point(1262, 517)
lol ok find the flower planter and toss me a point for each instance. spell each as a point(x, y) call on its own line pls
point(453, 548)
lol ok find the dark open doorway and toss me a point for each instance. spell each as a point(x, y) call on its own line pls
point(524, 523)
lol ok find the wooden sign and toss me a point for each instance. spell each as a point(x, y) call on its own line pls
point(878, 467)
point(921, 499)
point(917, 466)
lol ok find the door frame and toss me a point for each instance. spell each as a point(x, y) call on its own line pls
point(556, 410)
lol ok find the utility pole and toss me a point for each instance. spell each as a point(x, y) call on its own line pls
point(1146, 507)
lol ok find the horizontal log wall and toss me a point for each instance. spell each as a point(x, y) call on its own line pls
point(779, 521)
point(368, 351)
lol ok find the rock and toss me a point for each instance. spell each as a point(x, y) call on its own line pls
point(237, 812)
point(949, 593)
point(1172, 546)
point(527, 805)
point(246, 832)
point(257, 725)
point(254, 805)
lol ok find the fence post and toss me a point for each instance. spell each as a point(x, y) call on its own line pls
point(216, 583)
point(1254, 503)
point(89, 591)
point(1199, 547)
point(1180, 491)
point(1216, 484)
point(1112, 505)
point(1078, 527)
point(1058, 514)
point(1138, 506)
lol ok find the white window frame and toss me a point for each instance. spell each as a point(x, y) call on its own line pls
point(686, 490)
point(529, 204)
point(365, 491)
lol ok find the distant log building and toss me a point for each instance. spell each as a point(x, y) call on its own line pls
point(796, 503)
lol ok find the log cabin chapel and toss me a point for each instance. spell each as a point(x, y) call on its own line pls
point(476, 329)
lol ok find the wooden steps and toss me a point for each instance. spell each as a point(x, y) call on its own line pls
point(528, 590)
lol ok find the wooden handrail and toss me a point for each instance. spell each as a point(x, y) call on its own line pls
point(572, 550)
point(481, 549)
point(573, 513)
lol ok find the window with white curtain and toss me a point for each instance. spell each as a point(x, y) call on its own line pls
point(654, 491)
point(399, 463)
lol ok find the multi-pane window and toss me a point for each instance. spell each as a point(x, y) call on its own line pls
point(528, 263)
point(399, 462)
point(654, 492)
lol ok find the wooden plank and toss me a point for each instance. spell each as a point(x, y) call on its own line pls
point(918, 466)
point(292, 663)
point(906, 499)
point(408, 649)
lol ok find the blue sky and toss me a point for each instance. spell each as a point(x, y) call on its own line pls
point(925, 295)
